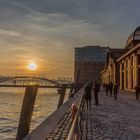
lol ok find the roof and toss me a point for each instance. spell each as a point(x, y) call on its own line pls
point(116, 52)
point(135, 36)
point(92, 47)
point(129, 52)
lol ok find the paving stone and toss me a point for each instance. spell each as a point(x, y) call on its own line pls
point(112, 120)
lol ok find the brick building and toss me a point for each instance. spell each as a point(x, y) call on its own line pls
point(124, 68)
point(110, 72)
point(130, 62)
point(89, 62)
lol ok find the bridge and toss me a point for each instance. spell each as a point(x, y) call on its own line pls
point(23, 81)
point(60, 122)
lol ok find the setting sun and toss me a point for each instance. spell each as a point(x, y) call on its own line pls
point(32, 66)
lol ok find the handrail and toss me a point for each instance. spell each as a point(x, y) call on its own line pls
point(48, 125)
point(76, 118)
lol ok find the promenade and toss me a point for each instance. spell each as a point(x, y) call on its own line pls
point(112, 120)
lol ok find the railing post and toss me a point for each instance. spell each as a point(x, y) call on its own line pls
point(62, 95)
point(27, 111)
point(71, 90)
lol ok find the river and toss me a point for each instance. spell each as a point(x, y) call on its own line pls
point(10, 108)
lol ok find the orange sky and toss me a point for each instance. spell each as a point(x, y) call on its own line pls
point(47, 31)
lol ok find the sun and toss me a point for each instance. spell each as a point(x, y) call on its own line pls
point(32, 66)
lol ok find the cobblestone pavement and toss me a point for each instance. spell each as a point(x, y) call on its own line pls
point(112, 120)
point(61, 130)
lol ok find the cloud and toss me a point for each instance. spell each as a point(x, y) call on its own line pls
point(48, 30)
point(9, 33)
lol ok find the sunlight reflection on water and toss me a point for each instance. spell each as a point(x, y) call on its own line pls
point(10, 107)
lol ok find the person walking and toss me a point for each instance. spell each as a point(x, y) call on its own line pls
point(115, 91)
point(87, 93)
point(111, 88)
point(137, 91)
point(96, 91)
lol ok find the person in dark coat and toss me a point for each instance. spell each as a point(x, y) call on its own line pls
point(137, 91)
point(111, 88)
point(115, 91)
point(87, 95)
point(96, 91)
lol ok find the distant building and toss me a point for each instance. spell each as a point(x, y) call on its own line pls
point(111, 69)
point(130, 62)
point(89, 62)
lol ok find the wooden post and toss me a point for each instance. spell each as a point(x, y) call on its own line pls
point(27, 111)
point(62, 95)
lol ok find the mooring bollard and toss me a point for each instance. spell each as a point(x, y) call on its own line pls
point(62, 95)
point(27, 111)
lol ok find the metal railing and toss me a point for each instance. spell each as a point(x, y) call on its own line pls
point(61, 123)
point(76, 124)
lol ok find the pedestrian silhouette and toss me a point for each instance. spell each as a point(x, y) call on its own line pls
point(137, 91)
point(115, 91)
point(111, 88)
point(96, 91)
point(87, 94)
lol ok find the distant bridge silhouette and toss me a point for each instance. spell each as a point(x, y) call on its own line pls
point(23, 81)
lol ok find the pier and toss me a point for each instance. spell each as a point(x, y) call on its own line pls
point(110, 120)
point(61, 124)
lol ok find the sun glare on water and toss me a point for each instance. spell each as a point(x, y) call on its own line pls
point(32, 66)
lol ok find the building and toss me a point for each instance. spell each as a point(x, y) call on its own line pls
point(110, 72)
point(123, 65)
point(129, 62)
point(89, 62)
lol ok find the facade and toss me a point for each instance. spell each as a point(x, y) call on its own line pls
point(110, 72)
point(89, 62)
point(123, 65)
point(130, 62)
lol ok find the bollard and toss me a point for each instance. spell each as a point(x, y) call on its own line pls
point(62, 95)
point(27, 111)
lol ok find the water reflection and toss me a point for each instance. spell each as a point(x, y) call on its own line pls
point(10, 107)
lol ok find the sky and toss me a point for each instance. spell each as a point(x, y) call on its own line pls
point(47, 31)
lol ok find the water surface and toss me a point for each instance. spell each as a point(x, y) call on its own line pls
point(10, 107)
